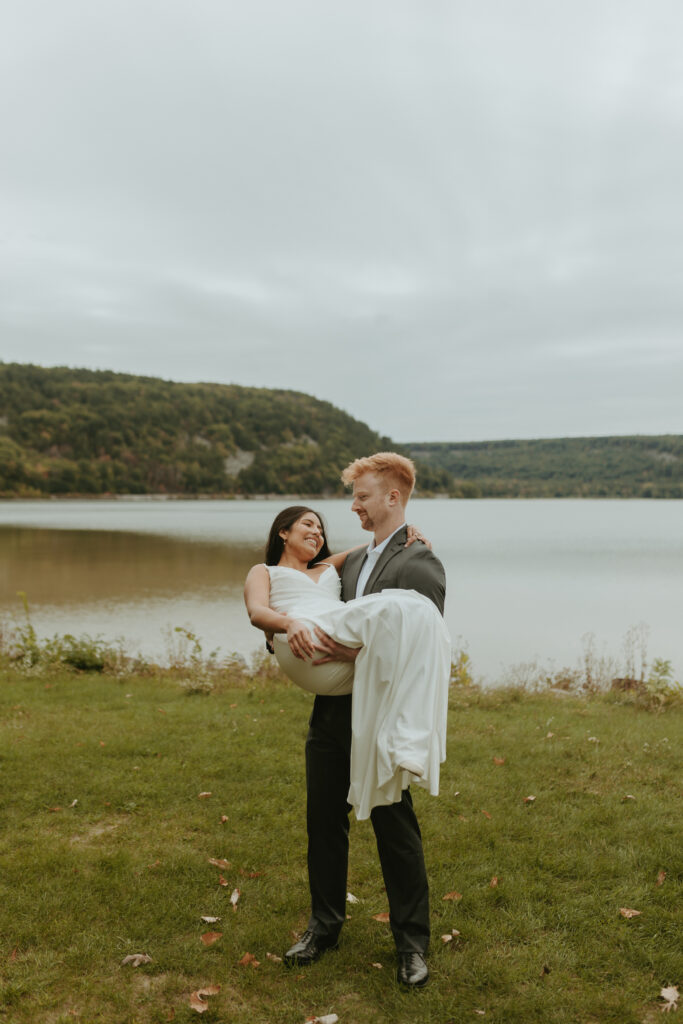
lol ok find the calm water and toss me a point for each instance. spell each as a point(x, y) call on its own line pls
point(527, 580)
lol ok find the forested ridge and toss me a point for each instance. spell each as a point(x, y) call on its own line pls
point(581, 467)
point(69, 432)
point(66, 431)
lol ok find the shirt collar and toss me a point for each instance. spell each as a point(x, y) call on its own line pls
point(377, 550)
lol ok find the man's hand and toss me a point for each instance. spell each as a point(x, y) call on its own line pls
point(332, 651)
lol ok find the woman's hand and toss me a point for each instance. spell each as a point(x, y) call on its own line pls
point(415, 534)
point(300, 640)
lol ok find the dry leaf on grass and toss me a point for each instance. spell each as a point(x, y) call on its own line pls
point(54, 809)
point(549, 735)
point(274, 958)
point(204, 796)
point(628, 912)
point(210, 920)
point(327, 1018)
point(234, 897)
point(197, 998)
point(453, 934)
point(493, 884)
point(73, 803)
point(251, 874)
point(452, 896)
point(383, 917)
point(219, 862)
point(486, 814)
point(248, 959)
point(350, 898)
point(224, 818)
point(223, 881)
point(208, 938)
point(498, 761)
point(529, 799)
point(670, 997)
point(660, 877)
point(378, 966)
point(135, 959)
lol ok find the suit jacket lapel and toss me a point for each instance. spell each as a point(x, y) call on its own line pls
point(396, 544)
point(354, 564)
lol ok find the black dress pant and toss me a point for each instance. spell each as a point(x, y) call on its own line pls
point(399, 844)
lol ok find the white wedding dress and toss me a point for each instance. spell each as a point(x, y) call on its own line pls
point(399, 680)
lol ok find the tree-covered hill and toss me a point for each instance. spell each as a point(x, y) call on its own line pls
point(66, 431)
point(615, 467)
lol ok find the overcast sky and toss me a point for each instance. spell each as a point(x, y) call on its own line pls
point(455, 219)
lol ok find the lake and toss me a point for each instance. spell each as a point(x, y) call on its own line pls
point(528, 581)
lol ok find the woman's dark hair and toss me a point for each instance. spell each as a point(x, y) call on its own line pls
point(284, 521)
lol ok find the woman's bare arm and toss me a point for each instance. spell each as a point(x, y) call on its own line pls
point(261, 615)
point(338, 560)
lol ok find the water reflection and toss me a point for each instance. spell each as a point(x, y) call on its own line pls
point(75, 566)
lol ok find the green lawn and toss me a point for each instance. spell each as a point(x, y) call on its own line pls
point(105, 847)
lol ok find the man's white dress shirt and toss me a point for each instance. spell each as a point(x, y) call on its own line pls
point(371, 560)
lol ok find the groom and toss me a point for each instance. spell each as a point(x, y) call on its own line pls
point(382, 484)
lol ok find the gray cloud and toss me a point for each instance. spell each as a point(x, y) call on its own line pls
point(454, 220)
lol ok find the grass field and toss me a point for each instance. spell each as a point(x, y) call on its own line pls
point(106, 842)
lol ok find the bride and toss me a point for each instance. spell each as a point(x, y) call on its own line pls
point(401, 671)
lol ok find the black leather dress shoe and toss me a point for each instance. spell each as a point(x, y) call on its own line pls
point(307, 950)
point(412, 969)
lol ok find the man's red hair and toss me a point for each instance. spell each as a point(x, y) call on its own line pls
point(396, 470)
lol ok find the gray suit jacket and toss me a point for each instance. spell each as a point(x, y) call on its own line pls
point(413, 568)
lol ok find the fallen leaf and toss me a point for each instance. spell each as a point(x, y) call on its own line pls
point(73, 803)
point(529, 799)
point(234, 897)
point(670, 997)
point(660, 877)
point(549, 735)
point(163, 711)
point(378, 966)
point(251, 874)
point(224, 818)
point(383, 917)
point(593, 739)
point(156, 864)
point(350, 898)
point(327, 1018)
point(233, 705)
point(219, 862)
point(452, 896)
point(205, 796)
point(481, 1013)
point(628, 913)
point(486, 814)
point(197, 998)
point(54, 809)
point(247, 959)
point(274, 958)
point(628, 796)
point(136, 959)
point(493, 884)
point(102, 743)
point(210, 920)
point(13, 955)
point(208, 938)
point(446, 938)
point(499, 761)
point(223, 881)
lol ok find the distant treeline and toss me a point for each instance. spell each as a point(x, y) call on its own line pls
point(65, 431)
point(576, 467)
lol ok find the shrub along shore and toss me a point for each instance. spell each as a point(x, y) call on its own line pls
point(162, 812)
